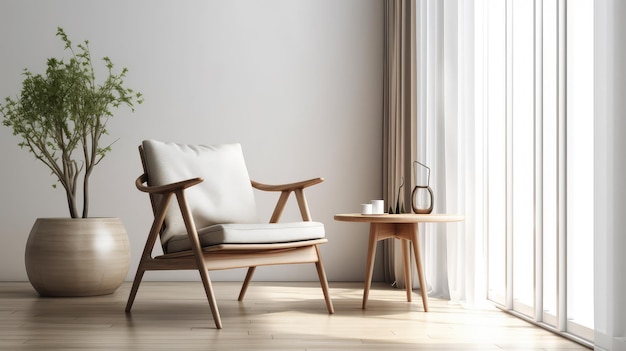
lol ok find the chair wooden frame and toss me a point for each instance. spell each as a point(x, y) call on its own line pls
point(224, 256)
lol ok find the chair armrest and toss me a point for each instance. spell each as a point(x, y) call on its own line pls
point(286, 187)
point(285, 190)
point(167, 188)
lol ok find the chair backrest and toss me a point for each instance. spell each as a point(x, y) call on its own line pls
point(225, 196)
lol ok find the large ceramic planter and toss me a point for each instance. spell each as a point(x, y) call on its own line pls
point(77, 257)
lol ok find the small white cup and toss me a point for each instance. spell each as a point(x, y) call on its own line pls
point(378, 206)
point(366, 209)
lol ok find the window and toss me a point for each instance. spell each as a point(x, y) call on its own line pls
point(580, 165)
point(539, 115)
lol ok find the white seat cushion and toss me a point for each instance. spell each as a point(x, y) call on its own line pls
point(242, 233)
point(225, 195)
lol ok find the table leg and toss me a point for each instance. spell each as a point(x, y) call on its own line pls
point(371, 254)
point(406, 255)
point(420, 273)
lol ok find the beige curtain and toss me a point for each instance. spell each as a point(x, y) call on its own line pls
point(399, 113)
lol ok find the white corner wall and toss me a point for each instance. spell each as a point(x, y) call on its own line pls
point(298, 83)
point(610, 171)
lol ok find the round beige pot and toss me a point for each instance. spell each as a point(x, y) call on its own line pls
point(77, 257)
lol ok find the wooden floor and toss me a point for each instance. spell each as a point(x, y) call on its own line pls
point(274, 316)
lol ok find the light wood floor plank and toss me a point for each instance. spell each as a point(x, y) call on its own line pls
point(274, 316)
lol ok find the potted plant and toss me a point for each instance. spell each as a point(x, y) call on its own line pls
point(61, 117)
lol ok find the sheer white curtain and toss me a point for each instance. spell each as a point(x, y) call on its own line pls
point(449, 141)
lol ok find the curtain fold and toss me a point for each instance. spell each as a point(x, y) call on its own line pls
point(436, 69)
point(399, 110)
point(437, 105)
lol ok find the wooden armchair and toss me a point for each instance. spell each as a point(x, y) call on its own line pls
point(213, 224)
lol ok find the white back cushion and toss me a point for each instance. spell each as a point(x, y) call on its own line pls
point(225, 196)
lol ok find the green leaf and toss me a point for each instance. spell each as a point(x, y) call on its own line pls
point(62, 113)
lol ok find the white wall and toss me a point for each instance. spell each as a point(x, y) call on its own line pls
point(610, 172)
point(298, 83)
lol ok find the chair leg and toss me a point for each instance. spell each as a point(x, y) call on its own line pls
point(197, 251)
point(322, 276)
point(147, 250)
point(133, 290)
point(208, 289)
point(246, 282)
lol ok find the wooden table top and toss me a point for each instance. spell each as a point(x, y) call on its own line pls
point(399, 218)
